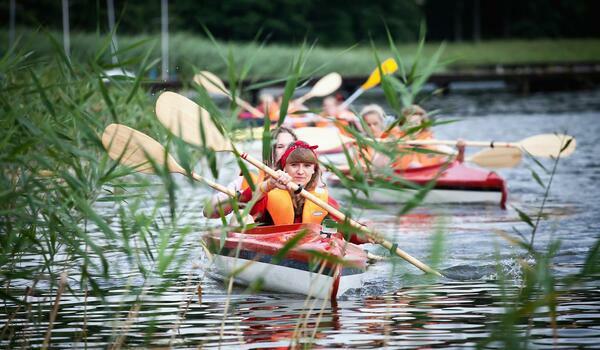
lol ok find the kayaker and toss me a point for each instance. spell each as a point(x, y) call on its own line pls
point(268, 106)
point(343, 117)
point(374, 118)
point(415, 116)
point(281, 137)
point(277, 205)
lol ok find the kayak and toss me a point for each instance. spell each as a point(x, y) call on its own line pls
point(317, 265)
point(457, 183)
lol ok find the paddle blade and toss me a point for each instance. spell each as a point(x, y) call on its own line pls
point(136, 150)
point(211, 83)
point(328, 139)
point(549, 145)
point(388, 66)
point(185, 119)
point(496, 158)
point(327, 85)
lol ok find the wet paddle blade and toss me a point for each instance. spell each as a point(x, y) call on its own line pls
point(549, 145)
point(496, 158)
point(136, 150)
point(387, 67)
point(185, 119)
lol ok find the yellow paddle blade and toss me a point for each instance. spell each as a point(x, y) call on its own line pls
point(211, 83)
point(388, 66)
point(135, 149)
point(549, 145)
point(496, 158)
point(326, 85)
point(185, 119)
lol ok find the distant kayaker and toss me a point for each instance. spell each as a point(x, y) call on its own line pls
point(343, 117)
point(277, 205)
point(415, 117)
point(374, 118)
point(268, 106)
point(281, 137)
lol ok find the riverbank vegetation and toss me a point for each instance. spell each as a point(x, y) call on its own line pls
point(190, 53)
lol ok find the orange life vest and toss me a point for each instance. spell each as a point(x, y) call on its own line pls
point(281, 207)
point(271, 110)
point(415, 159)
point(256, 179)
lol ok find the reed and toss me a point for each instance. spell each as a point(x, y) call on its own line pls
point(538, 287)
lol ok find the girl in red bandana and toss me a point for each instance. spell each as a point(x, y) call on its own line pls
point(279, 205)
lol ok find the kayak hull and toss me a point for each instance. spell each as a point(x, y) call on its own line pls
point(253, 258)
point(455, 182)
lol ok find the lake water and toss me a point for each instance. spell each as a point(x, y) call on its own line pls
point(397, 307)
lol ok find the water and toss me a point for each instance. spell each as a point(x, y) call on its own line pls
point(397, 307)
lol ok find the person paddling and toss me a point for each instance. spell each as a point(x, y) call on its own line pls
point(280, 138)
point(374, 118)
point(415, 116)
point(343, 117)
point(277, 205)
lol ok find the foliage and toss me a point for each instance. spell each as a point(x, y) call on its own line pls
point(331, 23)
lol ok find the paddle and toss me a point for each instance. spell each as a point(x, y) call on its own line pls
point(139, 151)
point(171, 105)
point(543, 145)
point(388, 66)
point(496, 158)
point(499, 155)
point(214, 85)
point(325, 86)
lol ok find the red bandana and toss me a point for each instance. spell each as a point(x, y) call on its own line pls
point(294, 146)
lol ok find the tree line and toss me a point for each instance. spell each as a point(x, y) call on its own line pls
point(334, 22)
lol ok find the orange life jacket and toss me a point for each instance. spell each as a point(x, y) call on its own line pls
point(256, 179)
point(272, 109)
point(415, 159)
point(281, 207)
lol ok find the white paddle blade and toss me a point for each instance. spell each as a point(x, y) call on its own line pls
point(327, 85)
point(496, 158)
point(549, 145)
point(211, 83)
point(135, 149)
point(328, 139)
point(185, 119)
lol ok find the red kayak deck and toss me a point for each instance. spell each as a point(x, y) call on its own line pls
point(265, 244)
point(456, 176)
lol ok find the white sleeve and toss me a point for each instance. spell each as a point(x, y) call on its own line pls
point(235, 186)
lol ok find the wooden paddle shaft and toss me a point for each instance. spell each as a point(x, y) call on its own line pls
point(214, 185)
point(491, 144)
point(335, 212)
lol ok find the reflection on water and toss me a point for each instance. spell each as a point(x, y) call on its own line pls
point(438, 315)
point(397, 307)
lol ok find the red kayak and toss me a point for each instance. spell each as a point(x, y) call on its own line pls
point(456, 183)
point(317, 265)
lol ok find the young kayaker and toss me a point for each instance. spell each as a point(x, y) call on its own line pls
point(343, 117)
point(278, 205)
point(281, 137)
point(269, 107)
point(415, 116)
point(374, 118)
